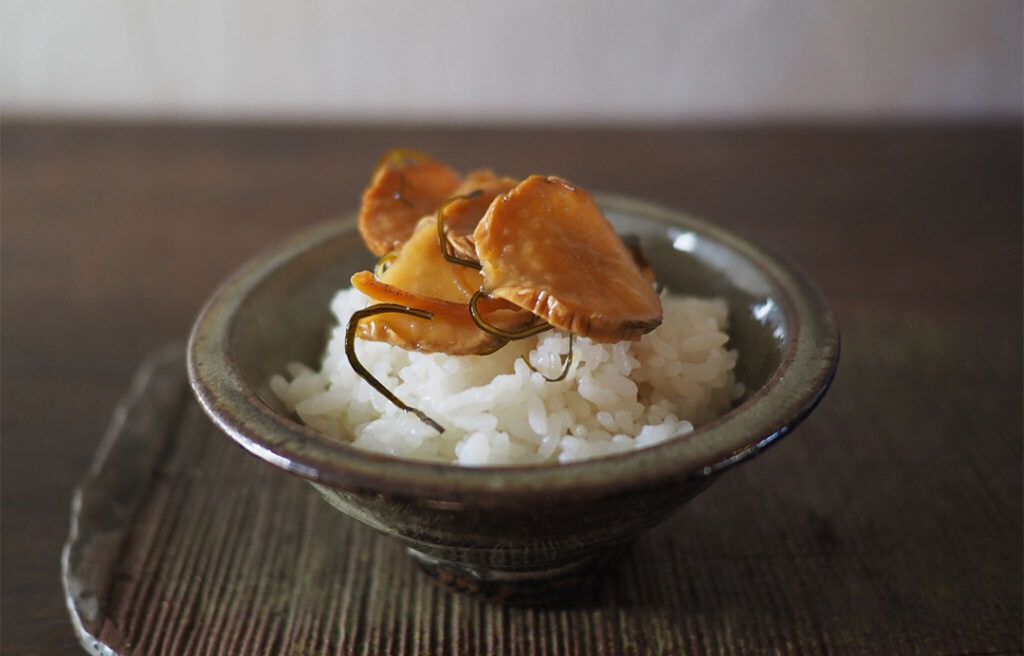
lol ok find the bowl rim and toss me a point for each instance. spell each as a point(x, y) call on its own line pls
point(799, 382)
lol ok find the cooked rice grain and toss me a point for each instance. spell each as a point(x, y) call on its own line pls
point(616, 397)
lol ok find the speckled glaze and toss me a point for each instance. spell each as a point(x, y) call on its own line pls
point(514, 534)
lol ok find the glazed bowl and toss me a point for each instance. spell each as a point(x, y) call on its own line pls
point(527, 533)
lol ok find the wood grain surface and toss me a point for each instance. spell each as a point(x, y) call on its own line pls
point(891, 522)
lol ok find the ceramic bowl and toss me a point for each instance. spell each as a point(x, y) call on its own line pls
point(514, 534)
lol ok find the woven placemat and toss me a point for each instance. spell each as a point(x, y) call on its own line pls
point(185, 544)
point(182, 543)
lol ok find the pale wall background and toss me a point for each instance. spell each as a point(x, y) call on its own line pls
point(521, 60)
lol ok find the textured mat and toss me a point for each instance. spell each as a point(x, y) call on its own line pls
point(184, 544)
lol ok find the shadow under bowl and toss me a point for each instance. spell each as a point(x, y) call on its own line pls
point(514, 534)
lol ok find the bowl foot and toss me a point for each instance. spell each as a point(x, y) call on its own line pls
point(522, 586)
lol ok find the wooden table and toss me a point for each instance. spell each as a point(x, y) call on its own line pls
point(890, 522)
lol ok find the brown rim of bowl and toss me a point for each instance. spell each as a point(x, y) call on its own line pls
point(793, 390)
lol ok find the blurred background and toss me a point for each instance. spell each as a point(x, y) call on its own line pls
point(148, 148)
point(647, 61)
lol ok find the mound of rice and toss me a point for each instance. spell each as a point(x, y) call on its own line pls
point(495, 411)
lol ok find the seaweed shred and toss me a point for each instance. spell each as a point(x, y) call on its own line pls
point(565, 369)
point(491, 329)
point(442, 237)
point(364, 373)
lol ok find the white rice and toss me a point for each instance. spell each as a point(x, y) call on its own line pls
point(616, 397)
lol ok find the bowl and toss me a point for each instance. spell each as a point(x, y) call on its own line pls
point(519, 534)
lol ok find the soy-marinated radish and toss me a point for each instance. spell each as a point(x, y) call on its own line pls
point(406, 186)
point(500, 261)
point(546, 247)
point(417, 276)
point(459, 215)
